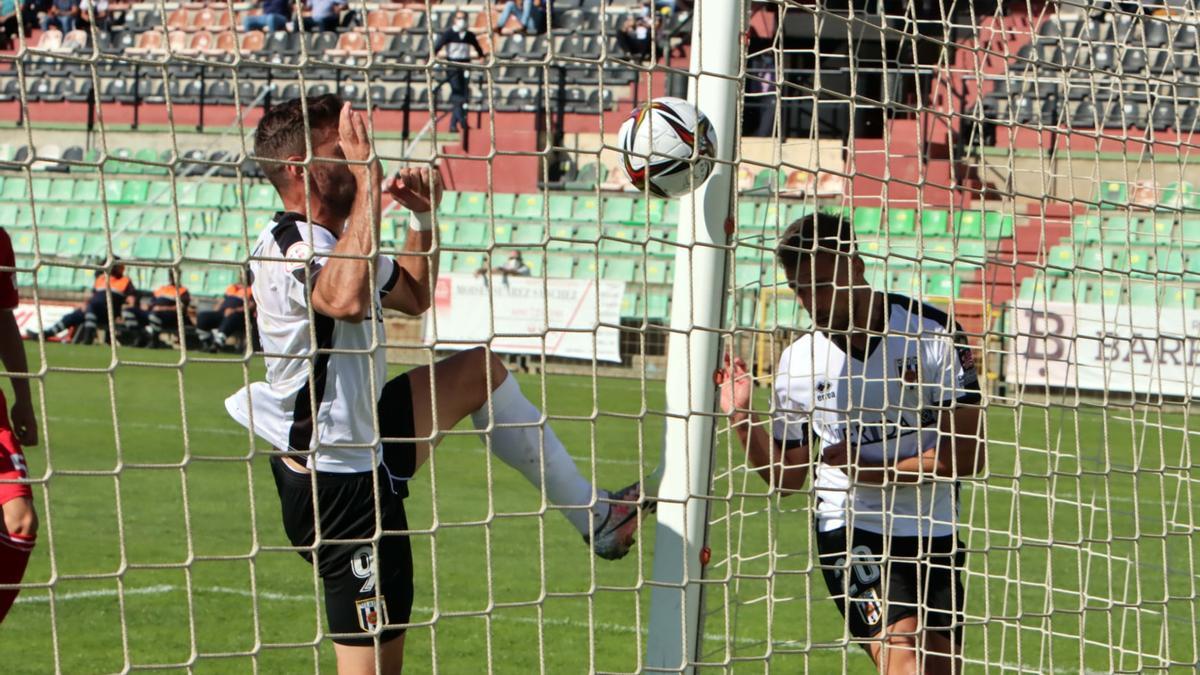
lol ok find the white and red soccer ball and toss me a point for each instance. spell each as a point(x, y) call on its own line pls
point(668, 147)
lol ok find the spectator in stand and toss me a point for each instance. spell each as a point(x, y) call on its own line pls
point(95, 12)
point(228, 320)
point(274, 17)
point(513, 267)
point(32, 12)
point(637, 32)
point(326, 15)
point(62, 14)
point(10, 22)
point(533, 16)
point(458, 43)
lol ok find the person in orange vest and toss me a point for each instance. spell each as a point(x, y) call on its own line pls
point(228, 320)
point(169, 301)
point(89, 318)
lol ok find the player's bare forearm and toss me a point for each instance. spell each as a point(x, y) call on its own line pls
point(960, 453)
point(420, 271)
point(779, 468)
point(12, 353)
point(343, 288)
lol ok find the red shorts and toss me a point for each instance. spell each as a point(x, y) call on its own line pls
point(13, 475)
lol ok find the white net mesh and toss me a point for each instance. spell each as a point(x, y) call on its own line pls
point(1026, 167)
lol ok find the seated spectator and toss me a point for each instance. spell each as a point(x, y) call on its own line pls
point(95, 12)
point(63, 14)
point(10, 21)
point(326, 15)
point(169, 299)
point(32, 12)
point(228, 320)
point(513, 267)
point(533, 16)
point(274, 17)
point(92, 316)
point(637, 32)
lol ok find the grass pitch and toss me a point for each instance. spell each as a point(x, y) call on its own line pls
point(159, 517)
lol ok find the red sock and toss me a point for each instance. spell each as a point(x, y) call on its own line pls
point(14, 556)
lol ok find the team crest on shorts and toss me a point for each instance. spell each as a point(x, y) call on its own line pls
point(871, 608)
point(372, 612)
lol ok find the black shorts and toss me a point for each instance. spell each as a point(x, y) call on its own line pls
point(917, 577)
point(359, 596)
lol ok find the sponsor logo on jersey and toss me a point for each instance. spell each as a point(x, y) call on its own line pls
point(907, 369)
point(825, 390)
point(298, 255)
point(371, 613)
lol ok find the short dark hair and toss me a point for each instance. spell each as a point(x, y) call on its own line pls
point(281, 131)
point(820, 232)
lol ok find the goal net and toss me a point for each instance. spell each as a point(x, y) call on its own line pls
point(1026, 167)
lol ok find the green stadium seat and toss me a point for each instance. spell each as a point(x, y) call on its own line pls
point(71, 245)
point(127, 219)
point(263, 197)
point(447, 229)
point(901, 222)
point(23, 242)
point(83, 218)
point(1068, 289)
point(471, 234)
point(135, 192)
point(1094, 259)
point(1169, 259)
point(148, 155)
point(25, 216)
point(586, 267)
point(122, 245)
point(560, 266)
point(503, 204)
point(445, 261)
point(1189, 232)
point(449, 203)
point(622, 240)
point(1061, 260)
point(8, 215)
point(230, 224)
point(529, 234)
point(216, 280)
point(908, 282)
point(86, 191)
point(1113, 194)
point(631, 304)
point(1143, 294)
point(529, 207)
point(649, 211)
point(1086, 229)
point(60, 278)
point(658, 305)
point(902, 253)
point(1181, 196)
point(199, 249)
point(617, 211)
point(968, 225)
point(502, 233)
point(748, 217)
point(116, 162)
point(658, 272)
point(1110, 291)
point(560, 208)
point(535, 262)
point(620, 269)
point(91, 160)
point(151, 248)
point(671, 212)
point(61, 190)
point(94, 246)
point(212, 195)
point(561, 236)
point(471, 205)
point(997, 226)
point(1142, 263)
point(873, 248)
point(867, 220)
point(586, 237)
point(1173, 296)
point(41, 189)
point(1157, 229)
point(54, 216)
point(1033, 288)
point(769, 181)
point(943, 285)
point(934, 223)
point(257, 222)
point(229, 251)
point(587, 210)
point(191, 277)
point(14, 189)
point(468, 263)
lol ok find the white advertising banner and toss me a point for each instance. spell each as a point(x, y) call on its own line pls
point(515, 313)
point(26, 315)
point(1107, 348)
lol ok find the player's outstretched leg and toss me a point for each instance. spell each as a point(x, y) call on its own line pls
point(521, 439)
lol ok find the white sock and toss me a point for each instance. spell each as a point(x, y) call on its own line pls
point(526, 448)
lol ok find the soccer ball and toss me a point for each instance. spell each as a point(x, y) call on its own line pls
point(657, 142)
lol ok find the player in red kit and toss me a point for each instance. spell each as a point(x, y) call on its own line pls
point(18, 531)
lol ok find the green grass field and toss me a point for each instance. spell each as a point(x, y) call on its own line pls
point(158, 522)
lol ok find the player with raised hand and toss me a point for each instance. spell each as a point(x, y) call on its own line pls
point(321, 287)
point(882, 398)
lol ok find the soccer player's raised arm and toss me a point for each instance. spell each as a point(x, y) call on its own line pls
point(782, 465)
point(419, 191)
point(344, 286)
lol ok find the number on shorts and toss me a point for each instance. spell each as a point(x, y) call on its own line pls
point(360, 566)
point(18, 462)
point(865, 573)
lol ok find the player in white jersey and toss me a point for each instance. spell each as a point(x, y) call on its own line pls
point(884, 393)
point(321, 288)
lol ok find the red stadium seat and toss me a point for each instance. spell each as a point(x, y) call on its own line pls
point(212, 19)
point(201, 42)
point(379, 20)
point(149, 42)
point(253, 42)
point(226, 43)
point(180, 19)
point(402, 20)
point(351, 43)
